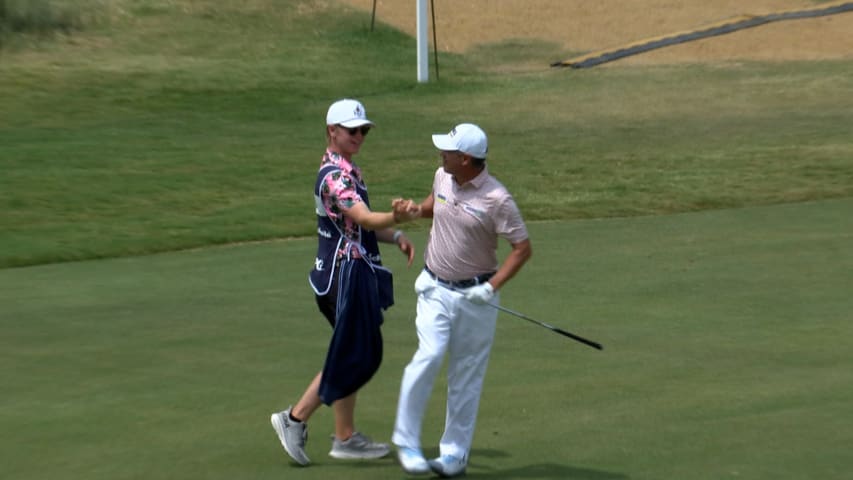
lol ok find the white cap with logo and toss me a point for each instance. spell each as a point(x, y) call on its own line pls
point(347, 112)
point(466, 138)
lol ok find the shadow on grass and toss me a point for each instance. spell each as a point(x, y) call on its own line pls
point(549, 470)
point(480, 467)
point(483, 469)
point(537, 470)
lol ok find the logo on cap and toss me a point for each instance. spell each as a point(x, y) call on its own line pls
point(358, 112)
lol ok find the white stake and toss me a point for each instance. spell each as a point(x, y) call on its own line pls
point(423, 42)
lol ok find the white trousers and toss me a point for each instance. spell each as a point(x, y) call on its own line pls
point(446, 323)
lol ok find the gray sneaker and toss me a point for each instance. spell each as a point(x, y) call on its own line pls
point(292, 435)
point(358, 446)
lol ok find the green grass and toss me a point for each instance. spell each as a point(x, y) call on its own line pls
point(725, 356)
point(33, 16)
point(170, 125)
point(694, 219)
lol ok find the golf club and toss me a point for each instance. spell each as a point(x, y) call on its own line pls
point(549, 327)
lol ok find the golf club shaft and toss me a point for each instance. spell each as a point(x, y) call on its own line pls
point(549, 327)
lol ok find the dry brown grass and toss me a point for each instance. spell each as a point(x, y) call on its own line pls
point(583, 26)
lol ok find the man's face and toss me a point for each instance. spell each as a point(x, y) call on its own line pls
point(451, 161)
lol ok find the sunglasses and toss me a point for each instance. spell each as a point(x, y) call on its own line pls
point(352, 131)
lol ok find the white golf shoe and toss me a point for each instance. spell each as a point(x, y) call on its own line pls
point(412, 461)
point(448, 466)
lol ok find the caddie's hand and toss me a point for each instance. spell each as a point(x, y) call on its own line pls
point(480, 294)
point(407, 247)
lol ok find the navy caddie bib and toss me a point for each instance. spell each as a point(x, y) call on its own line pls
point(331, 240)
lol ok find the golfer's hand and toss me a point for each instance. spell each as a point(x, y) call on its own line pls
point(405, 210)
point(481, 294)
point(407, 247)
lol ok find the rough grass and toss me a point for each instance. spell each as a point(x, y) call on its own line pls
point(187, 123)
point(39, 16)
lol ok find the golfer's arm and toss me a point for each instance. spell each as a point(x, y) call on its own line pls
point(517, 257)
point(426, 206)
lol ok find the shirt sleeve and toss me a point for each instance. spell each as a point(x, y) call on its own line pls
point(339, 192)
point(508, 222)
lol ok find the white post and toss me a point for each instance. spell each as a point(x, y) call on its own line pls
point(423, 43)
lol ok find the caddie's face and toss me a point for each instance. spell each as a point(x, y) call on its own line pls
point(347, 141)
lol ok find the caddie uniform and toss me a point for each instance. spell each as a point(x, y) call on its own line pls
point(461, 252)
point(339, 184)
point(344, 280)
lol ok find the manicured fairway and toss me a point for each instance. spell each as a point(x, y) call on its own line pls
point(726, 334)
point(696, 219)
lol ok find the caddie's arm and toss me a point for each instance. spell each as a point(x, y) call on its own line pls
point(361, 214)
point(382, 223)
point(399, 238)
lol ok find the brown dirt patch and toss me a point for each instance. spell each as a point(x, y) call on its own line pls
point(581, 26)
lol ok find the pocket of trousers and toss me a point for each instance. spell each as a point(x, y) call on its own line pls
point(424, 283)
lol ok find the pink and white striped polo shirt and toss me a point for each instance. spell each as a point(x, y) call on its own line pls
point(467, 222)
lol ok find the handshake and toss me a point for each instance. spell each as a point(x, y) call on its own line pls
point(405, 210)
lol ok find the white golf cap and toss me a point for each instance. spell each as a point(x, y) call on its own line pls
point(347, 112)
point(466, 138)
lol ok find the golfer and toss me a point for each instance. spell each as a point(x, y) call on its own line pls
point(470, 210)
point(351, 288)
